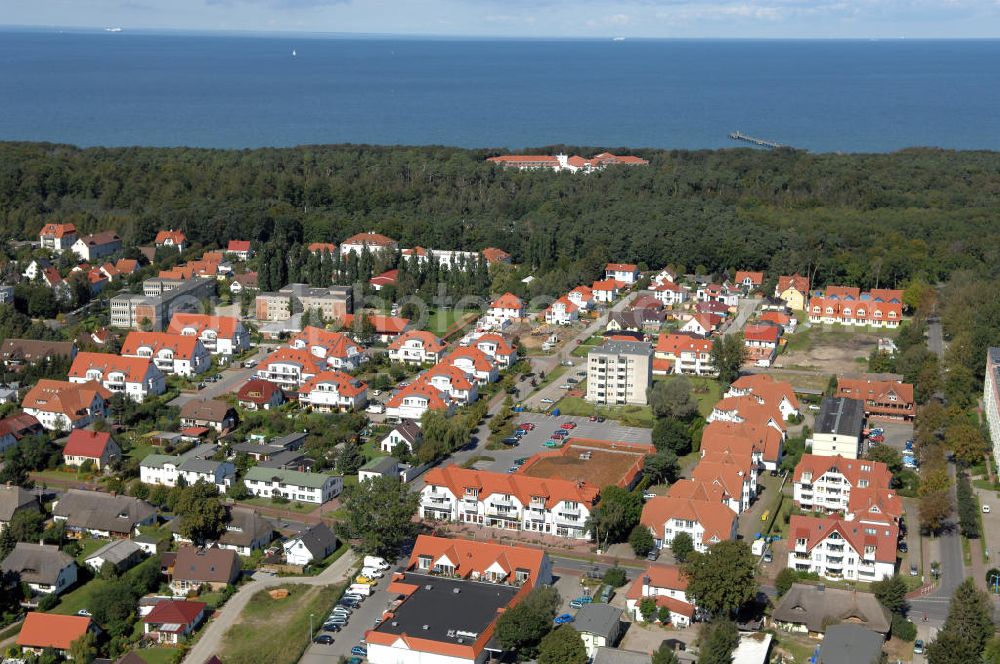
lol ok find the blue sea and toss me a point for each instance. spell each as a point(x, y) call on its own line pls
point(232, 91)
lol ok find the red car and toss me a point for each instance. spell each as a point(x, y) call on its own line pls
point(527, 426)
point(569, 425)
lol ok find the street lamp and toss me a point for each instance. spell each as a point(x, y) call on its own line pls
point(311, 627)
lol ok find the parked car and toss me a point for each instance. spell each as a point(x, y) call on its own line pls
point(332, 626)
point(513, 469)
point(563, 619)
point(520, 461)
point(580, 601)
point(593, 418)
point(572, 381)
point(902, 547)
point(84, 612)
point(918, 647)
point(648, 495)
point(511, 440)
point(813, 406)
point(768, 557)
point(986, 509)
point(547, 400)
point(568, 425)
point(527, 426)
point(553, 443)
point(323, 639)
point(653, 555)
point(913, 570)
point(565, 386)
point(360, 651)
point(600, 418)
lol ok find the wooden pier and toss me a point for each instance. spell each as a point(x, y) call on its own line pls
point(760, 142)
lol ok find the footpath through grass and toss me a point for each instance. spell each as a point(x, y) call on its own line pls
point(277, 630)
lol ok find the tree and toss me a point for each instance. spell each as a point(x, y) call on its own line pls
point(935, 508)
point(202, 515)
point(966, 441)
point(662, 467)
point(783, 582)
point(717, 642)
point(665, 655)
point(672, 398)
point(615, 515)
point(991, 655)
point(949, 648)
point(891, 593)
point(84, 649)
point(728, 355)
point(887, 455)
point(647, 609)
point(970, 617)
point(683, 546)
point(521, 628)
point(350, 458)
point(615, 577)
point(26, 525)
point(722, 579)
point(673, 435)
point(238, 491)
point(641, 540)
point(562, 645)
point(380, 515)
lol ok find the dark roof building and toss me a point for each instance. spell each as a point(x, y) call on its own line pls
point(850, 644)
point(841, 416)
point(102, 514)
point(18, 351)
point(13, 499)
point(814, 608)
point(195, 566)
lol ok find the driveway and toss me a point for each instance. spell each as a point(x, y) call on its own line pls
point(210, 642)
point(744, 310)
point(232, 380)
point(552, 391)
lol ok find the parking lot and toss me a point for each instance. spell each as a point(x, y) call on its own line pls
point(896, 433)
point(534, 441)
point(361, 620)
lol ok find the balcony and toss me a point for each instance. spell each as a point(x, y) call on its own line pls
point(435, 499)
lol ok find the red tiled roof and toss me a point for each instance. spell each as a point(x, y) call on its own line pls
point(675, 343)
point(480, 360)
point(524, 487)
point(606, 285)
point(796, 281)
point(257, 391)
point(319, 247)
point(51, 630)
point(387, 278)
point(70, 399)
point(879, 391)
point(175, 236)
point(478, 556)
point(816, 529)
point(309, 362)
point(430, 342)
point(494, 255)
point(58, 230)
point(374, 239)
point(507, 301)
point(502, 345)
point(756, 278)
point(18, 425)
point(175, 612)
point(337, 344)
point(764, 333)
point(853, 470)
point(134, 368)
point(716, 519)
point(456, 377)
point(621, 267)
point(84, 443)
point(346, 385)
point(224, 326)
point(238, 245)
point(435, 399)
point(182, 346)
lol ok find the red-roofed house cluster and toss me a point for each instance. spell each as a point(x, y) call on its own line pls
point(879, 307)
point(745, 434)
point(561, 162)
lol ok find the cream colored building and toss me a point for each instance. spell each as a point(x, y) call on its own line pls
point(839, 427)
point(619, 373)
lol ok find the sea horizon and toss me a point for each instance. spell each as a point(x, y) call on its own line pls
point(239, 89)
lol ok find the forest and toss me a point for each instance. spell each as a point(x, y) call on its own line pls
point(865, 220)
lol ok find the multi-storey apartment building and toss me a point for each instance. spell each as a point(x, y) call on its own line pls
point(135, 377)
point(57, 237)
point(332, 391)
point(619, 373)
point(171, 353)
point(334, 303)
point(706, 521)
point(220, 335)
point(293, 485)
point(132, 311)
point(991, 397)
point(416, 347)
point(838, 549)
point(193, 466)
point(510, 502)
point(839, 427)
point(828, 482)
point(850, 306)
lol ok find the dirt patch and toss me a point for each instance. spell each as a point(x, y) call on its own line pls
point(832, 351)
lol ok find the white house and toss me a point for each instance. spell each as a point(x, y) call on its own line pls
point(838, 549)
point(43, 567)
point(505, 309)
point(339, 350)
point(407, 433)
point(707, 522)
point(135, 377)
point(171, 353)
point(416, 347)
point(510, 502)
point(668, 588)
point(57, 237)
point(294, 485)
point(333, 391)
point(626, 273)
point(220, 335)
point(459, 386)
point(411, 402)
point(194, 465)
point(315, 543)
point(562, 312)
point(827, 482)
point(605, 291)
point(670, 294)
point(497, 347)
point(60, 405)
point(97, 246)
point(474, 362)
point(290, 367)
point(582, 297)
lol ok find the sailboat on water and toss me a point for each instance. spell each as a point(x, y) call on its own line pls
point(294, 53)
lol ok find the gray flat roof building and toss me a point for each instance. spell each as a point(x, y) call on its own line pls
point(840, 415)
point(850, 644)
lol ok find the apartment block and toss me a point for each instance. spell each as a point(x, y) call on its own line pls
point(132, 311)
point(619, 373)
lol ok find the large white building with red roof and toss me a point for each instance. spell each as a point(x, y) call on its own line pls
point(338, 349)
point(135, 377)
point(220, 335)
point(332, 391)
point(508, 501)
point(678, 353)
point(375, 242)
point(835, 548)
point(175, 354)
point(667, 585)
point(416, 347)
point(627, 273)
point(507, 308)
point(848, 305)
point(829, 483)
point(461, 388)
point(412, 401)
point(61, 405)
point(706, 521)
point(606, 290)
point(562, 312)
point(735, 475)
point(290, 367)
point(475, 363)
point(57, 237)
point(171, 238)
point(671, 294)
point(497, 347)
point(887, 399)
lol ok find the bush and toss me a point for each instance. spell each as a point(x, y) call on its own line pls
point(785, 579)
point(683, 546)
point(641, 540)
point(615, 577)
point(903, 628)
point(48, 602)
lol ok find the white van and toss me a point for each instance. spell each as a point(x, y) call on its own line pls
point(362, 589)
point(375, 561)
point(372, 572)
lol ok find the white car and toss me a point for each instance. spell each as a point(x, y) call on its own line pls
point(372, 573)
point(565, 386)
point(986, 509)
point(547, 400)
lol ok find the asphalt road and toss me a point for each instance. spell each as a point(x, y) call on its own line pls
point(232, 380)
point(744, 310)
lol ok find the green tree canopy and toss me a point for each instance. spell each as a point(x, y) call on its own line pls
point(722, 579)
point(641, 540)
point(522, 627)
point(615, 515)
point(562, 645)
point(891, 593)
point(202, 515)
point(717, 641)
point(682, 546)
point(672, 398)
point(380, 515)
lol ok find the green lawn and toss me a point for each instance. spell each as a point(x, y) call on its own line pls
point(69, 474)
point(87, 547)
point(156, 655)
point(291, 505)
point(633, 416)
point(441, 319)
point(79, 598)
point(553, 375)
point(140, 451)
point(707, 391)
point(277, 631)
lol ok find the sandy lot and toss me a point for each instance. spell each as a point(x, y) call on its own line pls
point(831, 349)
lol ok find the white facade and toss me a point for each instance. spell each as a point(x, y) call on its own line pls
point(217, 344)
point(296, 486)
point(834, 558)
point(561, 312)
point(400, 653)
point(414, 350)
point(622, 273)
point(152, 384)
point(833, 444)
point(165, 471)
point(671, 296)
point(326, 396)
point(991, 398)
point(605, 296)
point(505, 511)
point(169, 362)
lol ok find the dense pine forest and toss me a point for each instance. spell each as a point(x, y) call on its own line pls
point(858, 219)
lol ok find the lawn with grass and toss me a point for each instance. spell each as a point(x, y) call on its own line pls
point(157, 655)
point(277, 630)
point(140, 452)
point(291, 506)
point(440, 320)
point(706, 391)
point(87, 547)
point(552, 376)
point(79, 597)
point(632, 416)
